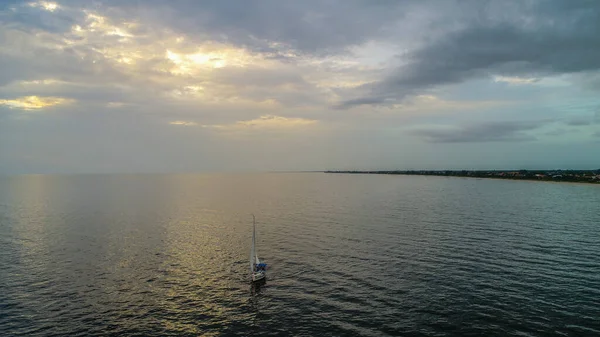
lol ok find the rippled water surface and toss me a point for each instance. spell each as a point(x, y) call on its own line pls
point(366, 255)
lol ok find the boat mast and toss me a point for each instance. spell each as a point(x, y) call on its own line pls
point(252, 249)
point(257, 261)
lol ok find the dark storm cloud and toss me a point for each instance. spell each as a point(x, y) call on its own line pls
point(544, 38)
point(362, 101)
point(483, 132)
point(310, 26)
point(464, 39)
point(27, 16)
point(584, 120)
point(580, 122)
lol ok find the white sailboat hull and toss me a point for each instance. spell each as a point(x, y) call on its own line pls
point(258, 276)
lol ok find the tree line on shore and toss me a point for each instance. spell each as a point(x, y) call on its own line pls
point(591, 176)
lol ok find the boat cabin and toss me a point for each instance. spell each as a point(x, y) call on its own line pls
point(261, 267)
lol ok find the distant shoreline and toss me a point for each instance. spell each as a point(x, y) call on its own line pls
point(574, 176)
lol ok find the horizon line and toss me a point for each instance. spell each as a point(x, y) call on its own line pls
point(283, 171)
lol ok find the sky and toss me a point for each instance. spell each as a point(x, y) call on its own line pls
point(132, 86)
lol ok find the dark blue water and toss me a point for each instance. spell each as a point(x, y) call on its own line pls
point(366, 255)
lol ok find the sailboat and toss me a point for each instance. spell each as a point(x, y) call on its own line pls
point(258, 270)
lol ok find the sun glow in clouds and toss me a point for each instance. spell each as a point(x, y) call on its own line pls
point(98, 33)
point(276, 121)
point(266, 122)
point(183, 123)
point(187, 91)
point(34, 102)
point(41, 82)
point(208, 57)
point(98, 24)
point(114, 105)
point(186, 63)
point(46, 5)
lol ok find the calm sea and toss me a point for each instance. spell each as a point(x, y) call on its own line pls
point(349, 255)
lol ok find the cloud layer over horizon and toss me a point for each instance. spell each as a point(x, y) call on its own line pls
point(182, 85)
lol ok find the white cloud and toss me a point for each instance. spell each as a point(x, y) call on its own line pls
point(45, 5)
point(183, 123)
point(515, 80)
point(267, 122)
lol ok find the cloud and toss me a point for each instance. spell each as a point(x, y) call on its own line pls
point(276, 121)
point(263, 123)
point(183, 123)
point(514, 80)
point(558, 132)
point(114, 105)
point(580, 121)
point(273, 26)
point(424, 103)
point(513, 40)
point(34, 102)
point(187, 74)
point(267, 122)
point(482, 132)
point(91, 55)
point(46, 5)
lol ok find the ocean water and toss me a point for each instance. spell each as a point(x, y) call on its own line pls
point(349, 255)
